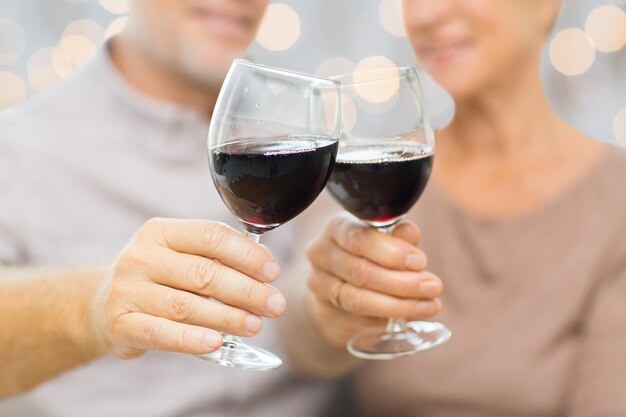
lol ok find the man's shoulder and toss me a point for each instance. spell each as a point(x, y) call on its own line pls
point(64, 106)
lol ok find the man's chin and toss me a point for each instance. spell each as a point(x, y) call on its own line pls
point(209, 71)
point(217, 58)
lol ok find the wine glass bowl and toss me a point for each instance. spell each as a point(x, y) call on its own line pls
point(272, 145)
point(385, 157)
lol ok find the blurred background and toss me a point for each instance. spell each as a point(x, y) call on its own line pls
point(584, 66)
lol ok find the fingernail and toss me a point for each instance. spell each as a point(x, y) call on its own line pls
point(429, 289)
point(425, 308)
point(276, 304)
point(271, 270)
point(415, 261)
point(253, 324)
point(212, 340)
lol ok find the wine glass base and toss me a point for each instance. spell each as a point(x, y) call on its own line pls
point(234, 353)
point(381, 344)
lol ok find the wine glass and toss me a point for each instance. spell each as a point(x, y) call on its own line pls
point(384, 161)
point(272, 145)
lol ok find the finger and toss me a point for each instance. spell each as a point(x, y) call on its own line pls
point(345, 321)
point(184, 307)
point(213, 279)
point(363, 273)
point(385, 250)
point(337, 326)
point(145, 332)
point(215, 240)
point(364, 302)
point(407, 231)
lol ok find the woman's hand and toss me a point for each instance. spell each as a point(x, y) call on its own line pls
point(361, 277)
point(158, 293)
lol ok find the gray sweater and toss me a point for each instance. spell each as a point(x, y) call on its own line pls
point(82, 167)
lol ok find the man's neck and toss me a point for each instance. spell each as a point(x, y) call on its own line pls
point(156, 80)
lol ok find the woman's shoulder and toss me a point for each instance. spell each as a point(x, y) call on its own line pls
point(611, 172)
point(618, 154)
point(606, 188)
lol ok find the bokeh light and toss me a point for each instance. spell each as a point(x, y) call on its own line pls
point(77, 49)
point(116, 27)
point(335, 66)
point(45, 44)
point(349, 114)
point(619, 127)
point(606, 25)
point(572, 52)
point(392, 17)
point(61, 63)
point(12, 41)
point(280, 28)
point(87, 28)
point(115, 6)
point(42, 73)
point(375, 68)
point(12, 89)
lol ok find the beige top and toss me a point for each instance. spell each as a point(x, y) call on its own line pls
point(537, 307)
point(536, 304)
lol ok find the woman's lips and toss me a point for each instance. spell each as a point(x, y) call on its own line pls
point(443, 52)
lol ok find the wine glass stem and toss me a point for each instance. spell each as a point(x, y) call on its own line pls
point(255, 237)
point(396, 325)
point(230, 341)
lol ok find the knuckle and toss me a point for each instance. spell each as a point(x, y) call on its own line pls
point(128, 261)
point(247, 254)
point(317, 252)
point(355, 303)
point(152, 223)
point(313, 283)
point(155, 335)
point(333, 225)
point(229, 321)
point(248, 295)
point(312, 252)
point(397, 254)
point(205, 276)
point(182, 307)
point(184, 340)
point(215, 233)
point(151, 227)
point(356, 240)
point(360, 273)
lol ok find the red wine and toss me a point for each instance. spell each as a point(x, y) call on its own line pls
point(267, 182)
point(378, 183)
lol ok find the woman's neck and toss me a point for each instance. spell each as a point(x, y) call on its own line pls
point(506, 121)
point(508, 153)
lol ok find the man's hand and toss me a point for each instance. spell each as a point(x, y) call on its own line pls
point(179, 283)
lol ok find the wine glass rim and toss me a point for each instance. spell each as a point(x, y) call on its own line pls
point(295, 74)
point(402, 72)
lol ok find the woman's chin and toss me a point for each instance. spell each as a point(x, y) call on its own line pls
point(457, 85)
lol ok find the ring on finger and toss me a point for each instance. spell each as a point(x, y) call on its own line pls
point(335, 291)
